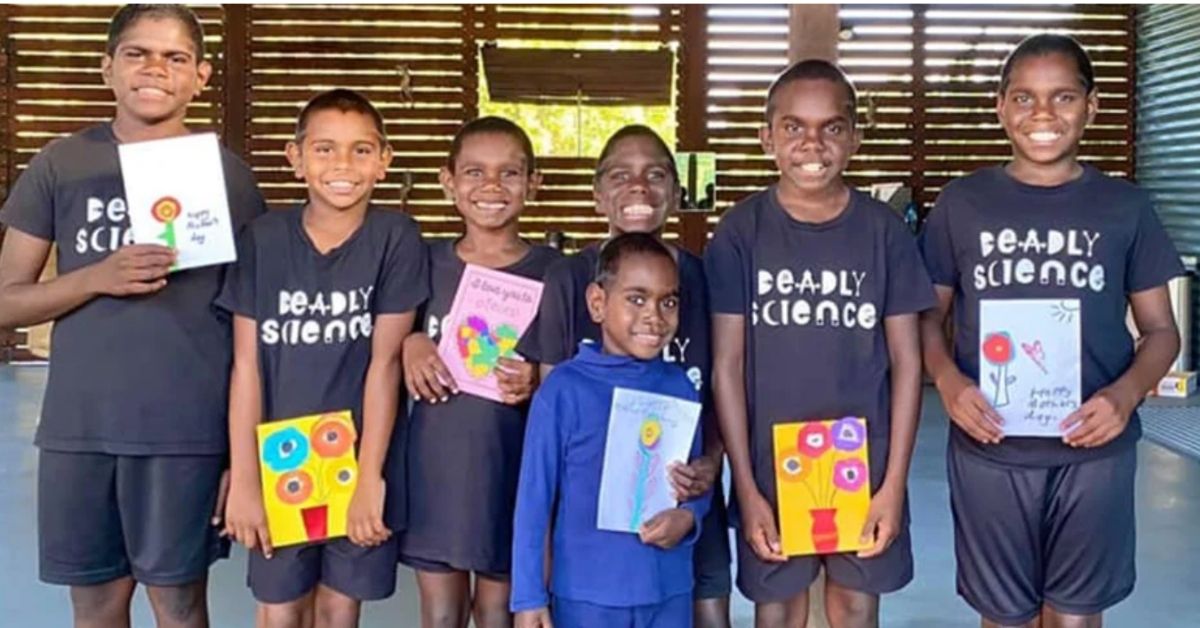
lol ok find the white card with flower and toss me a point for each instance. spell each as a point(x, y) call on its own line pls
point(646, 433)
point(1030, 362)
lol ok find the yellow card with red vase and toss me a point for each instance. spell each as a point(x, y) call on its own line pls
point(309, 473)
point(823, 485)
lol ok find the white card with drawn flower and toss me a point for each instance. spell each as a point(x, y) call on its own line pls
point(1029, 362)
point(175, 191)
point(646, 433)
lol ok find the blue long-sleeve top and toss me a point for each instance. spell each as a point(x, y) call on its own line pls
point(561, 467)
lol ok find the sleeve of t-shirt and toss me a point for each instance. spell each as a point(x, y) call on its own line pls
point(1152, 260)
point(239, 284)
point(725, 261)
point(536, 488)
point(246, 202)
point(549, 339)
point(29, 207)
point(909, 289)
point(937, 244)
point(404, 282)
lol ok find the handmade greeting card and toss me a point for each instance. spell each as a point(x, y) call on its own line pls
point(1029, 362)
point(646, 432)
point(823, 485)
point(309, 473)
point(175, 192)
point(490, 313)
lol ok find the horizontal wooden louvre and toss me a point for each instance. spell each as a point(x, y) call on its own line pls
point(55, 87)
point(926, 76)
point(297, 51)
point(964, 48)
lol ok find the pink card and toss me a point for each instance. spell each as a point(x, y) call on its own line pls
point(490, 313)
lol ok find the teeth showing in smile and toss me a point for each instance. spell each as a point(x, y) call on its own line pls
point(812, 168)
point(491, 207)
point(640, 210)
point(151, 91)
point(340, 187)
point(648, 339)
point(1044, 137)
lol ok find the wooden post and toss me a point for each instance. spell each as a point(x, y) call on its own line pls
point(693, 135)
point(813, 34)
point(234, 111)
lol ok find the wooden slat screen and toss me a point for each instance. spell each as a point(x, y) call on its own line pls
point(296, 51)
point(927, 79)
point(964, 49)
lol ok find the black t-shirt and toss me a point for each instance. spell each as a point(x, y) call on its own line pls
point(316, 312)
point(135, 375)
point(814, 297)
point(1096, 239)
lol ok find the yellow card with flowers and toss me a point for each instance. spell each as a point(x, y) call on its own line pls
point(823, 485)
point(308, 474)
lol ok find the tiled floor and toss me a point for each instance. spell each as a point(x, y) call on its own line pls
point(1168, 550)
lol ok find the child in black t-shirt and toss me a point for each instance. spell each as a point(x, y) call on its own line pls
point(322, 296)
point(464, 452)
point(134, 414)
point(815, 290)
point(1044, 527)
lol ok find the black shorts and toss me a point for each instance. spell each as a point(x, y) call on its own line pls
point(103, 517)
point(362, 573)
point(765, 583)
point(436, 566)
point(710, 554)
point(1062, 536)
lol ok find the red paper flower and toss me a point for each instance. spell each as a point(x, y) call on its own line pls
point(998, 348)
point(813, 440)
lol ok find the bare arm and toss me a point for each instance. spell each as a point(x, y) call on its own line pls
point(963, 401)
point(381, 403)
point(729, 393)
point(134, 269)
point(904, 353)
point(245, 516)
point(1104, 417)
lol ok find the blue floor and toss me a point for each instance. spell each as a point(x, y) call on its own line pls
point(1168, 540)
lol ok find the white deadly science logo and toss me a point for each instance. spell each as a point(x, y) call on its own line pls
point(331, 317)
point(821, 298)
point(107, 228)
point(1009, 258)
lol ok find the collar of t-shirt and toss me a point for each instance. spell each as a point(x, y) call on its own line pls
point(774, 205)
point(614, 368)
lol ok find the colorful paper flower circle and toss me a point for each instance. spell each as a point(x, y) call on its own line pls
point(339, 477)
point(849, 434)
point(332, 437)
point(998, 348)
point(850, 474)
point(166, 209)
point(813, 439)
point(651, 432)
point(285, 450)
point(294, 487)
point(480, 347)
point(793, 467)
